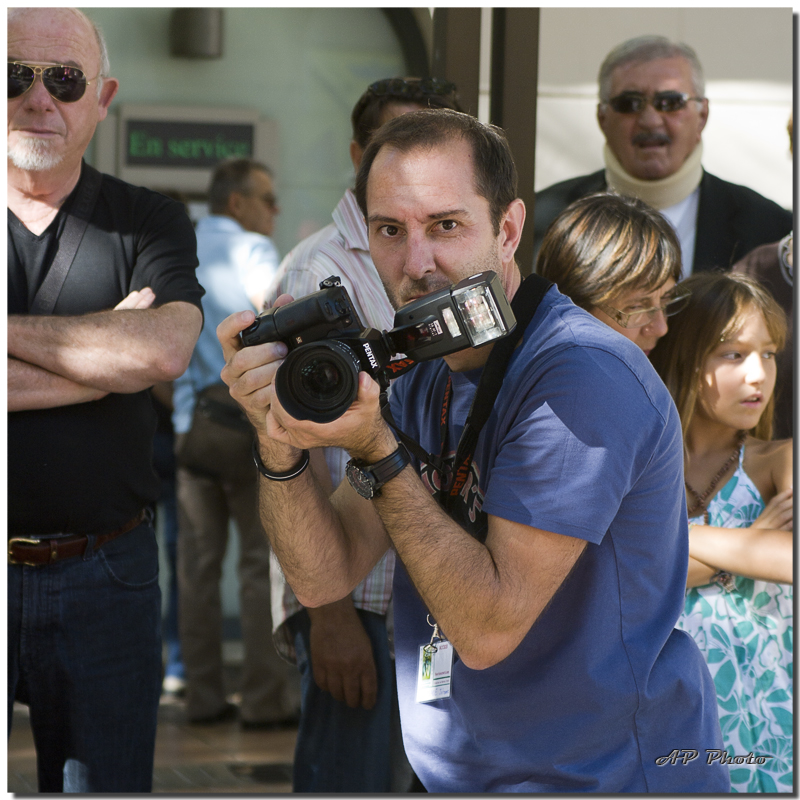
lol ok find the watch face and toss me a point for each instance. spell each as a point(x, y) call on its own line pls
point(360, 480)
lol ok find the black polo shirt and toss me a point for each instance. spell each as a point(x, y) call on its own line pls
point(87, 468)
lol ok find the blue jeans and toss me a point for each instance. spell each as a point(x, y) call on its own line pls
point(84, 652)
point(164, 464)
point(343, 749)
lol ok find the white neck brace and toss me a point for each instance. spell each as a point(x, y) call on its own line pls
point(662, 192)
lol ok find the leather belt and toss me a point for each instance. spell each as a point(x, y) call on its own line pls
point(37, 552)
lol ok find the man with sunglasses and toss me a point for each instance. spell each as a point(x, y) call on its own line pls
point(103, 303)
point(349, 738)
point(652, 112)
point(237, 266)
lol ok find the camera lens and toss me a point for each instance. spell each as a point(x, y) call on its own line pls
point(318, 381)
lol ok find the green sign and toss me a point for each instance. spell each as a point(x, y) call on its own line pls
point(156, 143)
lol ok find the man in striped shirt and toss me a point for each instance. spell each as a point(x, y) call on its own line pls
point(349, 736)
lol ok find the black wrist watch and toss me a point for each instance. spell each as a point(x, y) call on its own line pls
point(367, 479)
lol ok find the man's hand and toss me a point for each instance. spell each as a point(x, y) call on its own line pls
point(138, 299)
point(341, 655)
point(250, 372)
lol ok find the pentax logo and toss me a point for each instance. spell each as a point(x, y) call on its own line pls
point(372, 360)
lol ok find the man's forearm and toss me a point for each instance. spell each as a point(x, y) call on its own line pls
point(322, 559)
point(484, 596)
point(31, 387)
point(111, 351)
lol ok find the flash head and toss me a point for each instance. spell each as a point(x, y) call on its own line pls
point(472, 313)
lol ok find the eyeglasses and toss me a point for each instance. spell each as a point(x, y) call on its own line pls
point(673, 303)
point(268, 199)
point(64, 83)
point(663, 102)
point(413, 87)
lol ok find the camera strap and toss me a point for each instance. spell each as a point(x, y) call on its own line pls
point(524, 305)
point(75, 226)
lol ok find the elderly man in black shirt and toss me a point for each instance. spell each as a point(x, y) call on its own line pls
point(103, 303)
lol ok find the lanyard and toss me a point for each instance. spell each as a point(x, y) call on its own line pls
point(524, 305)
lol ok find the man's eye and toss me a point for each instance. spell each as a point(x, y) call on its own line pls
point(390, 230)
point(448, 224)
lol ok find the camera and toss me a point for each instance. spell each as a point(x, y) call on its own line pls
point(329, 345)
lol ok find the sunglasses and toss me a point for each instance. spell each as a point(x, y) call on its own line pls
point(664, 102)
point(63, 83)
point(269, 200)
point(673, 303)
point(414, 87)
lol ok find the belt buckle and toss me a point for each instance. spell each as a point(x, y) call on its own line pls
point(20, 540)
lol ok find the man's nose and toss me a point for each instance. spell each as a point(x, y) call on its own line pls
point(37, 96)
point(648, 117)
point(420, 258)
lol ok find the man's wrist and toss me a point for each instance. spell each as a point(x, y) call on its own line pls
point(276, 458)
point(376, 448)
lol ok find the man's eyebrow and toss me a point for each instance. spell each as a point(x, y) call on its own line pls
point(66, 63)
point(455, 212)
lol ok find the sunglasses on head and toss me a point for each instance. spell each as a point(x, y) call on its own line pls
point(664, 102)
point(413, 87)
point(64, 83)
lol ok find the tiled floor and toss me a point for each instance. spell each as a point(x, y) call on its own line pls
point(192, 759)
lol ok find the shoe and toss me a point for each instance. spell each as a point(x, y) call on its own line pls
point(173, 685)
point(269, 725)
point(228, 712)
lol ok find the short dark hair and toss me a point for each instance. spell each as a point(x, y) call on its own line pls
point(232, 175)
point(495, 171)
point(366, 114)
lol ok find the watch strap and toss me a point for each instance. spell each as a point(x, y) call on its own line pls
point(384, 470)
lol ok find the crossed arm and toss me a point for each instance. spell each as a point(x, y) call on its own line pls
point(55, 361)
point(763, 551)
point(485, 597)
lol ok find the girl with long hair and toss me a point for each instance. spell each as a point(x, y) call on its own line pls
point(718, 361)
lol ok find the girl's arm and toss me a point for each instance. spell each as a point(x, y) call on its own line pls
point(759, 552)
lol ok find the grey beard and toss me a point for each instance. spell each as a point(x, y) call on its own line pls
point(33, 155)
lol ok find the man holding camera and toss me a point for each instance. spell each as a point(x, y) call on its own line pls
point(348, 739)
point(103, 303)
point(534, 637)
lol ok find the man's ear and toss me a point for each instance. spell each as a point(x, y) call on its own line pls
point(511, 230)
point(107, 92)
point(234, 205)
point(601, 116)
point(356, 153)
point(703, 117)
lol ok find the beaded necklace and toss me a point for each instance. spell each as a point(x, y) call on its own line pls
point(700, 499)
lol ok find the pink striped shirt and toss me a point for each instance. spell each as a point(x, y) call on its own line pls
point(341, 249)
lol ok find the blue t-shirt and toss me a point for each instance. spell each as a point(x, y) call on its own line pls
point(584, 440)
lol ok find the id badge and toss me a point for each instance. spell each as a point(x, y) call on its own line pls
point(434, 671)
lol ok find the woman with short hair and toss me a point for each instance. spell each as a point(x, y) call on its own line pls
point(620, 260)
